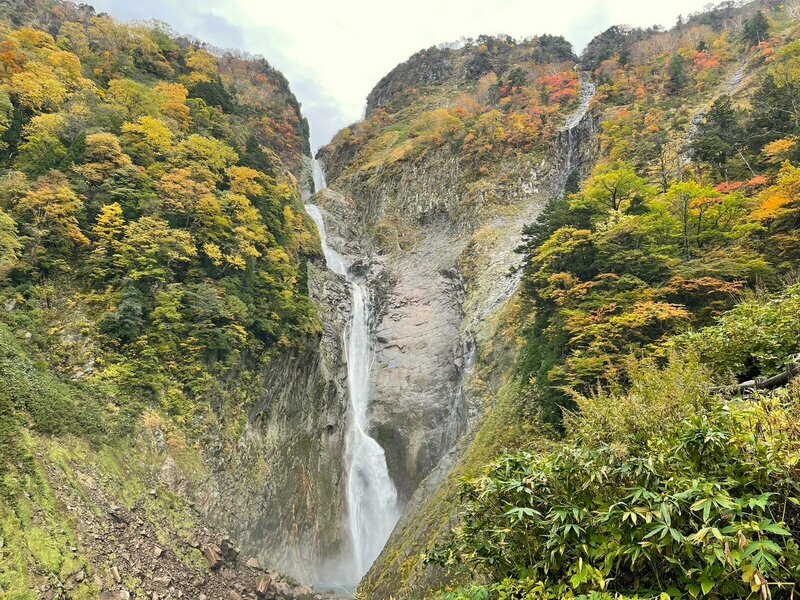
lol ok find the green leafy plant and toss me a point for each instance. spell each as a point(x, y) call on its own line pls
point(702, 505)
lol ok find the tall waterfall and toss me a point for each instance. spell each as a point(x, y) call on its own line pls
point(588, 90)
point(371, 495)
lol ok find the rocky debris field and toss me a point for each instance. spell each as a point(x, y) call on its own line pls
point(136, 552)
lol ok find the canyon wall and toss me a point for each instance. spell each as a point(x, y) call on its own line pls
point(439, 257)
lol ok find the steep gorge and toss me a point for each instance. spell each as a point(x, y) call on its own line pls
point(434, 292)
point(439, 293)
point(312, 369)
point(437, 256)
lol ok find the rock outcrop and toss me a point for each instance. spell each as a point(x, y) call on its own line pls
point(439, 257)
point(453, 64)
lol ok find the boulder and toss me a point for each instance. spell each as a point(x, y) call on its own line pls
point(263, 586)
point(302, 592)
point(229, 550)
point(213, 555)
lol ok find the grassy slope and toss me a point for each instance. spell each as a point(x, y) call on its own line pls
point(58, 479)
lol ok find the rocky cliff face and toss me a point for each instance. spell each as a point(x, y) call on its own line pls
point(280, 491)
point(290, 513)
point(487, 257)
point(437, 255)
point(419, 353)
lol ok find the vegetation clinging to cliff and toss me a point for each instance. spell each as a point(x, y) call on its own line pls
point(492, 101)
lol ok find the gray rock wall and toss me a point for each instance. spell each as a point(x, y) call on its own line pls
point(280, 493)
point(438, 275)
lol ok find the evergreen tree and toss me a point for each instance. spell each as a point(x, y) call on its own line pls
point(677, 74)
point(718, 136)
point(516, 78)
point(770, 118)
point(755, 29)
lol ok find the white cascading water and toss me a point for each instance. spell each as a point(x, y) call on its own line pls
point(371, 495)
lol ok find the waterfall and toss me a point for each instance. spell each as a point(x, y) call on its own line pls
point(371, 495)
point(588, 90)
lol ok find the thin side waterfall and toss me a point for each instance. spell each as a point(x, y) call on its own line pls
point(573, 120)
point(588, 89)
point(371, 495)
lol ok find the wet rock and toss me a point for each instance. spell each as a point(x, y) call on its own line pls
point(302, 592)
point(282, 588)
point(241, 502)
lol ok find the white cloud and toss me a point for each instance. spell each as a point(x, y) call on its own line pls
point(334, 52)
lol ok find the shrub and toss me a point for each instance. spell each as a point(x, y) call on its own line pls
point(706, 507)
point(756, 338)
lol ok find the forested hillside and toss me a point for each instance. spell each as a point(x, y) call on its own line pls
point(153, 251)
point(689, 204)
point(149, 183)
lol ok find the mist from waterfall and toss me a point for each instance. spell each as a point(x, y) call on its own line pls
point(371, 495)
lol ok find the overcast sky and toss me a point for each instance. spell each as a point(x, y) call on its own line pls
point(333, 52)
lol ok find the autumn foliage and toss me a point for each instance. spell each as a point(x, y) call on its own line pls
point(149, 181)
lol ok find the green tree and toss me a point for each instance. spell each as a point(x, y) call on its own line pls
point(152, 251)
point(678, 79)
point(6, 116)
point(613, 188)
point(148, 140)
point(682, 199)
point(755, 29)
point(42, 149)
point(719, 135)
point(134, 99)
point(9, 243)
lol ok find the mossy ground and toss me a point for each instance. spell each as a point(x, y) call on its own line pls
point(62, 467)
